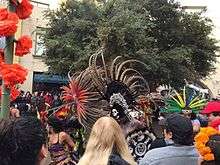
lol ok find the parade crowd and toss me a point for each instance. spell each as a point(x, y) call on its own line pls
point(106, 114)
point(26, 139)
point(111, 121)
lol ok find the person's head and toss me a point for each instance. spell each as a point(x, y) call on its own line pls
point(106, 138)
point(22, 141)
point(212, 110)
point(55, 124)
point(21, 93)
point(36, 93)
point(179, 129)
point(28, 94)
point(213, 116)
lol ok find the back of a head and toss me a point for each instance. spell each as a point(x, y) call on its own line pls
point(56, 124)
point(106, 132)
point(21, 140)
point(105, 139)
point(181, 128)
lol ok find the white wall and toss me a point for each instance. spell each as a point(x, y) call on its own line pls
point(53, 3)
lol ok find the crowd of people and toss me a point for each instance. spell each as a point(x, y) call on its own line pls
point(24, 140)
point(39, 101)
point(106, 119)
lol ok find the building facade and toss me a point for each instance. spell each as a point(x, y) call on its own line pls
point(34, 27)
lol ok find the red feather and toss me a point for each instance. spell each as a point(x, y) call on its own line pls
point(74, 93)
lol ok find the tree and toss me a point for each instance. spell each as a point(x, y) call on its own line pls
point(175, 45)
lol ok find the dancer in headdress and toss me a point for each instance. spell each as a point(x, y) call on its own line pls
point(113, 90)
point(189, 103)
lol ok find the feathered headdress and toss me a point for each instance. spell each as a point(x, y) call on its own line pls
point(118, 83)
point(100, 88)
point(186, 102)
point(83, 100)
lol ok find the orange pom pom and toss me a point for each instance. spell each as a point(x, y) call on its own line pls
point(14, 93)
point(202, 137)
point(13, 74)
point(3, 13)
point(209, 157)
point(24, 9)
point(8, 23)
point(200, 142)
point(23, 46)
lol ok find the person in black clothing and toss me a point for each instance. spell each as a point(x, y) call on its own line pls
point(165, 141)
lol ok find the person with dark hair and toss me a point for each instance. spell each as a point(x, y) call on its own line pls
point(60, 143)
point(22, 141)
point(212, 111)
point(182, 152)
point(162, 142)
point(28, 97)
point(207, 142)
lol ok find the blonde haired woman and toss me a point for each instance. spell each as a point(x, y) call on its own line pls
point(106, 145)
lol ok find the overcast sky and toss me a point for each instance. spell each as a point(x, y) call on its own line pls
point(53, 3)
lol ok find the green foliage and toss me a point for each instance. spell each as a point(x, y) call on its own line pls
point(174, 44)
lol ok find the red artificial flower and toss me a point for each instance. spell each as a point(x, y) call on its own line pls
point(14, 93)
point(1, 55)
point(3, 13)
point(13, 74)
point(8, 23)
point(24, 9)
point(23, 46)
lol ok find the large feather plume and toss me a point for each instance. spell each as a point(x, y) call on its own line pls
point(81, 94)
point(187, 102)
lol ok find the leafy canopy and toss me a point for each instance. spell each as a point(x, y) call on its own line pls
point(174, 44)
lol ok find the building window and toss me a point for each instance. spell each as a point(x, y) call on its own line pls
point(39, 47)
point(39, 43)
point(3, 2)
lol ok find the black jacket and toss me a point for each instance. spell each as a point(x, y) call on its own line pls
point(115, 159)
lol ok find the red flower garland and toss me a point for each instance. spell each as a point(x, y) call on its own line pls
point(13, 74)
point(23, 46)
point(14, 93)
point(24, 9)
point(8, 22)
